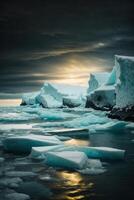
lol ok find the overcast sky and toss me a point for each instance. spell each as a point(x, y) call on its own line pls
point(61, 41)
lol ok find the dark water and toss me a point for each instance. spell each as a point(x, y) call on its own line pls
point(50, 183)
point(115, 183)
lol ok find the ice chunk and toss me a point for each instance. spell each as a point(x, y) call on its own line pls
point(67, 159)
point(101, 98)
point(23, 144)
point(11, 117)
point(54, 114)
point(49, 97)
point(91, 152)
point(9, 127)
point(86, 120)
point(94, 167)
point(29, 98)
point(125, 81)
point(96, 80)
point(40, 152)
point(17, 196)
point(113, 126)
point(72, 102)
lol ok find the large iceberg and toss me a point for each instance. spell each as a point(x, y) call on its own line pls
point(125, 81)
point(24, 144)
point(56, 95)
point(124, 89)
point(96, 80)
point(91, 152)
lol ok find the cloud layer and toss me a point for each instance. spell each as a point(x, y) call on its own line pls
point(61, 41)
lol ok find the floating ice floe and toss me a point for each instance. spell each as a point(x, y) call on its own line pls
point(66, 159)
point(112, 126)
point(86, 120)
point(91, 152)
point(9, 127)
point(24, 144)
point(55, 115)
point(20, 116)
point(74, 160)
point(94, 167)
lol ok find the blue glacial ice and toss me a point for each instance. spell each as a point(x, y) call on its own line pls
point(66, 159)
point(24, 144)
point(91, 152)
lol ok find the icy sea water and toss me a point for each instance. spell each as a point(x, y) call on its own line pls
point(42, 182)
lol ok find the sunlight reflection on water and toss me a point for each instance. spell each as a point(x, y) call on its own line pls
point(78, 142)
point(74, 185)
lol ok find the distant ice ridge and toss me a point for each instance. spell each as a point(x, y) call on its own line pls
point(56, 96)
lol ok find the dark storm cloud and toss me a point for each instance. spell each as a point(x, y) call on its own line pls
point(42, 39)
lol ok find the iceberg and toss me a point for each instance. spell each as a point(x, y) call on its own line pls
point(66, 159)
point(29, 98)
point(124, 89)
point(125, 81)
point(24, 144)
point(91, 152)
point(102, 98)
point(96, 80)
point(49, 97)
